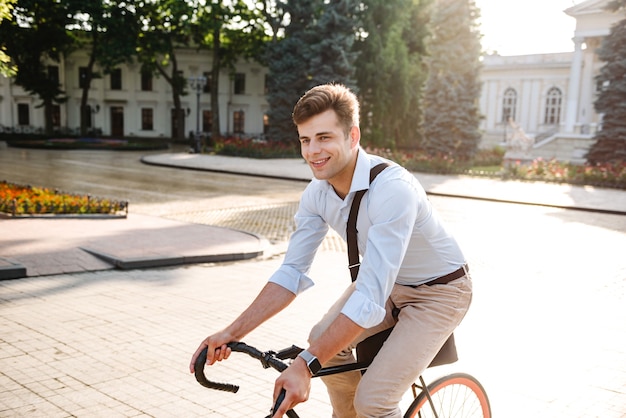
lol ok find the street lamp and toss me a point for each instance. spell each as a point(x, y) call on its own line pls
point(197, 83)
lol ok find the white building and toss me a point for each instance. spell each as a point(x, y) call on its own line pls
point(128, 103)
point(549, 96)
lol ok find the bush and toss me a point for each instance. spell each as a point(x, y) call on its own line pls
point(256, 148)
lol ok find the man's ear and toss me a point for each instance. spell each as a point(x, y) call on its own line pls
point(355, 136)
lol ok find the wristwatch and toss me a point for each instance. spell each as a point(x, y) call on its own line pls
point(311, 362)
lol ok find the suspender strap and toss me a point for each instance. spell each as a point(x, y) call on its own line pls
point(351, 232)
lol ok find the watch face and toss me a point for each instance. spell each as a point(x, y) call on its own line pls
point(314, 365)
point(311, 361)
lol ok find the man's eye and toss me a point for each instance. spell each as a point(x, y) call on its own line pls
point(305, 141)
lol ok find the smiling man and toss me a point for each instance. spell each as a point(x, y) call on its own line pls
point(412, 277)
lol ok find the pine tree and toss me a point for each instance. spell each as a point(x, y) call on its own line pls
point(610, 145)
point(452, 117)
point(288, 60)
point(332, 55)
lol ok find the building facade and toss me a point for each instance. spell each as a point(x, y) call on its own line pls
point(549, 97)
point(128, 103)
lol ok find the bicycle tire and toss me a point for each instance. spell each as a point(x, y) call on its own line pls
point(457, 395)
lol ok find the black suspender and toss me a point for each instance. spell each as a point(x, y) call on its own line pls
point(351, 232)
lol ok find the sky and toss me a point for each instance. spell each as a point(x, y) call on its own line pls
point(521, 27)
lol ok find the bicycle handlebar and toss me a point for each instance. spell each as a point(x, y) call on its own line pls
point(267, 359)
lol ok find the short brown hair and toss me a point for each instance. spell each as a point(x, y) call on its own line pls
point(325, 97)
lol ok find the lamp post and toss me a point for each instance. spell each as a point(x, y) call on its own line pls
point(197, 83)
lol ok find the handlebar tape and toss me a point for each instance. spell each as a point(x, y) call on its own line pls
point(201, 378)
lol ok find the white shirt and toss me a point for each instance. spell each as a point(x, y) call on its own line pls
point(400, 237)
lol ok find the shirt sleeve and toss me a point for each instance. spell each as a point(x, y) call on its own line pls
point(303, 244)
point(389, 221)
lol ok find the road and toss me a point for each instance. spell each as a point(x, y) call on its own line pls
point(546, 333)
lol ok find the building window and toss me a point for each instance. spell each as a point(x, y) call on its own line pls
point(23, 114)
point(266, 124)
point(553, 107)
point(53, 73)
point(240, 83)
point(601, 85)
point(239, 118)
point(116, 79)
point(56, 115)
point(207, 121)
point(207, 85)
point(509, 104)
point(146, 81)
point(82, 77)
point(146, 119)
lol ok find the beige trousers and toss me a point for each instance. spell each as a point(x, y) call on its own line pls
point(428, 315)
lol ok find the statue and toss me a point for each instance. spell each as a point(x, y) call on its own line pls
point(517, 141)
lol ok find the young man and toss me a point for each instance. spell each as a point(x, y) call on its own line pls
point(412, 276)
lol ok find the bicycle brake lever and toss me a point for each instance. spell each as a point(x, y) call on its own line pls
point(289, 353)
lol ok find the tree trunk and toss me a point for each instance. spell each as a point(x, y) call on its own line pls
point(215, 76)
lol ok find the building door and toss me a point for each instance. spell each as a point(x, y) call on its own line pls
point(117, 121)
point(178, 131)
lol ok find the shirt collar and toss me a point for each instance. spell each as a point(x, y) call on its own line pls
point(361, 177)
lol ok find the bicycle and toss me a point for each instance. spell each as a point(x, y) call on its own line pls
point(457, 395)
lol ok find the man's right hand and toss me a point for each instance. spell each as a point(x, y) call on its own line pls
point(217, 350)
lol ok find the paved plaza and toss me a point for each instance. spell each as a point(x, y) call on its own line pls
point(546, 333)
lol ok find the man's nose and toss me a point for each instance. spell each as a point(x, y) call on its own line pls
point(314, 146)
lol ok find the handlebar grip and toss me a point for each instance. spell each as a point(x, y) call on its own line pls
point(201, 378)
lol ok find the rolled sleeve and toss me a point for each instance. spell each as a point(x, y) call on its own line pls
point(291, 279)
point(363, 311)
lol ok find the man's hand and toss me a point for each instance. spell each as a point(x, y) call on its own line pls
point(217, 350)
point(296, 380)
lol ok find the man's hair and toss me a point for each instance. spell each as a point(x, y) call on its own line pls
point(325, 97)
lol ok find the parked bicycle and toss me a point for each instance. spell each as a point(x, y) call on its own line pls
point(457, 395)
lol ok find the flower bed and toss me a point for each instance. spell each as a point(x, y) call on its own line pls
point(19, 200)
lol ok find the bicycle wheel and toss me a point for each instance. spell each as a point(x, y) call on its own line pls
point(458, 395)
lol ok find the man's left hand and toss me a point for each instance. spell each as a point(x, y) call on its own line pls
point(296, 380)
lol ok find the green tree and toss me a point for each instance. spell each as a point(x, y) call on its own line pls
point(35, 38)
point(106, 30)
point(167, 27)
point(610, 145)
point(332, 54)
point(390, 71)
point(230, 31)
point(6, 68)
point(288, 59)
point(452, 117)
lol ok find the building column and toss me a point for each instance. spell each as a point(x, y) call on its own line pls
point(573, 93)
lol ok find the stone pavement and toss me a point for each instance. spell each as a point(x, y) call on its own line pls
point(546, 336)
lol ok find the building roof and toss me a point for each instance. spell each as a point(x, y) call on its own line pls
point(588, 7)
